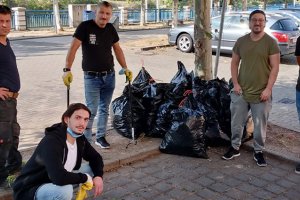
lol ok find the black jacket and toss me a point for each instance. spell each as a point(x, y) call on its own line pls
point(46, 165)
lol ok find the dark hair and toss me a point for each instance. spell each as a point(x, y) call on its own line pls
point(71, 109)
point(255, 12)
point(5, 10)
point(105, 4)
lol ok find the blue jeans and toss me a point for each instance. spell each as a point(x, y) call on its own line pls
point(50, 191)
point(298, 103)
point(98, 94)
point(239, 112)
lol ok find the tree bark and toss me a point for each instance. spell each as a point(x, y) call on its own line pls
point(202, 38)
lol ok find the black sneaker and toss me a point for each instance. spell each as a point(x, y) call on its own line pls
point(297, 170)
point(260, 160)
point(102, 143)
point(231, 153)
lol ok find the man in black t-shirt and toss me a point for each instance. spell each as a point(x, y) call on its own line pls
point(10, 157)
point(297, 54)
point(97, 38)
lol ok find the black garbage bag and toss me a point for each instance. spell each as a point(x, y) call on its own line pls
point(214, 136)
point(166, 103)
point(183, 81)
point(159, 93)
point(143, 77)
point(141, 86)
point(163, 120)
point(214, 95)
point(224, 115)
point(186, 134)
point(181, 74)
point(122, 117)
point(152, 103)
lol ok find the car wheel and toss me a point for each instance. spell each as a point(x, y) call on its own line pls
point(185, 43)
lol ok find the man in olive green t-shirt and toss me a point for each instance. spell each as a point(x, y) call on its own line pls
point(254, 69)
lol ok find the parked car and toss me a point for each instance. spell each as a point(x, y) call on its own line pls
point(290, 14)
point(236, 24)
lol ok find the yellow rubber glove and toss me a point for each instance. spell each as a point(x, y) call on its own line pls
point(82, 194)
point(67, 78)
point(128, 75)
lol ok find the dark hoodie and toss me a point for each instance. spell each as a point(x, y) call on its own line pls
point(46, 165)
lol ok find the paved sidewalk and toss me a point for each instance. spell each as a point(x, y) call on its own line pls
point(172, 177)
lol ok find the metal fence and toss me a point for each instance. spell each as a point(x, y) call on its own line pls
point(44, 18)
point(156, 15)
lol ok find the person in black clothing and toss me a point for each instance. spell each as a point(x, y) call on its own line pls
point(97, 38)
point(297, 54)
point(49, 173)
point(10, 157)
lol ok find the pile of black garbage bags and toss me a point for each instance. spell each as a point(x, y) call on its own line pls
point(189, 114)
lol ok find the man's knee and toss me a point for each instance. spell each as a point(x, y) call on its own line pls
point(64, 192)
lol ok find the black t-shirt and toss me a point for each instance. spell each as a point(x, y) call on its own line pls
point(9, 75)
point(96, 45)
point(297, 53)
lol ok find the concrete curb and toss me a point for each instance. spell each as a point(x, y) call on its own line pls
point(131, 159)
point(155, 47)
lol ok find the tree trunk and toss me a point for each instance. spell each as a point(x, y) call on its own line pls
point(203, 52)
point(56, 19)
point(142, 20)
point(244, 7)
point(265, 4)
point(286, 4)
point(175, 13)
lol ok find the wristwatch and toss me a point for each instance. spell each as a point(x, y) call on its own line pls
point(66, 69)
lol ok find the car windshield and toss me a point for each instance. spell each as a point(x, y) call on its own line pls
point(230, 21)
point(284, 25)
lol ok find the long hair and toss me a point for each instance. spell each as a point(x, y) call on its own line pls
point(4, 10)
point(71, 109)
